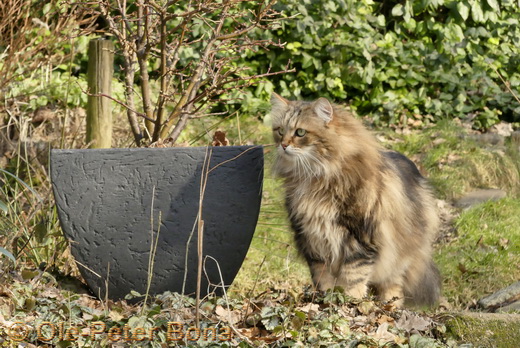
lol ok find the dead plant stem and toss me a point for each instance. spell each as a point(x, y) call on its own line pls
point(153, 250)
point(200, 230)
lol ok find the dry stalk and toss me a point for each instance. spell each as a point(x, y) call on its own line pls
point(506, 83)
point(223, 285)
point(200, 230)
point(153, 250)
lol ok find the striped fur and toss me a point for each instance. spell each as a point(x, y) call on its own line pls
point(363, 216)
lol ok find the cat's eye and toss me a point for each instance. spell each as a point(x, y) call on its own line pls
point(300, 132)
point(281, 131)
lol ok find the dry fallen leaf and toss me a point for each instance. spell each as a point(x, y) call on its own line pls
point(504, 243)
point(382, 333)
point(366, 307)
point(51, 293)
point(219, 139)
point(230, 316)
point(385, 319)
point(251, 332)
point(115, 316)
point(309, 307)
point(42, 114)
point(411, 322)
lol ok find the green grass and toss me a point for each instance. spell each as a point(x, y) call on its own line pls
point(484, 256)
point(456, 163)
point(272, 260)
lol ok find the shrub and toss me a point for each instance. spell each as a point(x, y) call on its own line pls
point(401, 60)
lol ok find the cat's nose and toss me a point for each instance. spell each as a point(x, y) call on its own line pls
point(284, 146)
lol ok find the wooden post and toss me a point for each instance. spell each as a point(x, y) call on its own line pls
point(99, 109)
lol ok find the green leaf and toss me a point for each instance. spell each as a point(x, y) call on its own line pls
point(40, 232)
point(456, 32)
point(398, 10)
point(29, 274)
point(463, 9)
point(7, 253)
point(417, 341)
point(3, 207)
point(23, 184)
point(408, 11)
point(476, 12)
point(493, 4)
point(381, 20)
point(307, 60)
point(46, 8)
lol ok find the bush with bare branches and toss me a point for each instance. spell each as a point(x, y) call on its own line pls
point(183, 54)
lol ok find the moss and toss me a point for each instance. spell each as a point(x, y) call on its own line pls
point(484, 329)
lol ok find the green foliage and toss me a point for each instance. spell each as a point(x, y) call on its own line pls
point(399, 59)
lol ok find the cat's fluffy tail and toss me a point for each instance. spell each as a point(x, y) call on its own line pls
point(426, 291)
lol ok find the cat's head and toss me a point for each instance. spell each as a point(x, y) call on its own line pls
point(315, 138)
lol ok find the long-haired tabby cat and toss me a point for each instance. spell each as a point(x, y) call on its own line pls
point(363, 216)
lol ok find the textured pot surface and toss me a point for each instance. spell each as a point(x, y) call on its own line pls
point(104, 199)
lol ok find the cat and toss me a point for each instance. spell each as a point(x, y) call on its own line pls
point(364, 217)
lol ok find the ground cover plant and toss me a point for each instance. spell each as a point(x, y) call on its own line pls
point(438, 111)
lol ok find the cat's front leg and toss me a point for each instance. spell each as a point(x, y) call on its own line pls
point(322, 276)
point(391, 291)
point(354, 277)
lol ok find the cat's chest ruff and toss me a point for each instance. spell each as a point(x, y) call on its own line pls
point(317, 211)
point(315, 205)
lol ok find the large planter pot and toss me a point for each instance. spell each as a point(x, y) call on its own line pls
point(104, 199)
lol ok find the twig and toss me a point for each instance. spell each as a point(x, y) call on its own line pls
point(88, 269)
point(200, 234)
point(195, 223)
point(223, 285)
point(153, 250)
point(120, 103)
point(506, 84)
point(234, 158)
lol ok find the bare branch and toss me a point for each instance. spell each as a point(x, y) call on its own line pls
point(117, 101)
point(189, 54)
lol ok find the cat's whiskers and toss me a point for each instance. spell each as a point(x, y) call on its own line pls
point(303, 167)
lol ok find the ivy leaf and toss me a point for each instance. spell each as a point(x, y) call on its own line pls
point(476, 12)
point(494, 5)
point(463, 10)
point(271, 322)
point(397, 10)
point(417, 341)
point(408, 11)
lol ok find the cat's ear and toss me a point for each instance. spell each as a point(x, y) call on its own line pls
point(323, 109)
point(278, 103)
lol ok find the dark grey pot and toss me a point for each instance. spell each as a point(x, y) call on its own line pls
point(104, 200)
